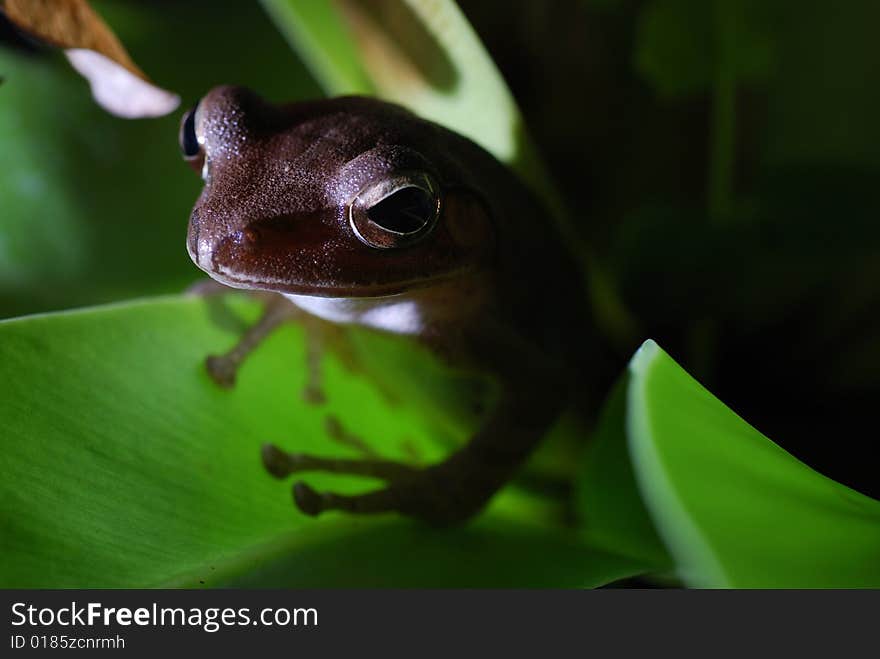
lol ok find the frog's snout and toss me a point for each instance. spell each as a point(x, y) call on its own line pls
point(199, 248)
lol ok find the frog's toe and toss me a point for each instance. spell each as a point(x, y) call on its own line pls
point(313, 503)
point(221, 370)
point(313, 395)
point(307, 499)
point(280, 464)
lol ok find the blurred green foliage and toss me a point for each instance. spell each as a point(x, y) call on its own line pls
point(679, 42)
point(94, 208)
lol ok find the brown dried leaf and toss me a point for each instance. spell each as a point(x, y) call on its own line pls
point(117, 84)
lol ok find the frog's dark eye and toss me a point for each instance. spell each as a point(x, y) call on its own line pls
point(397, 211)
point(190, 147)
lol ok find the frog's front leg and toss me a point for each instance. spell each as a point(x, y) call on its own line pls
point(448, 492)
point(277, 311)
point(224, 368)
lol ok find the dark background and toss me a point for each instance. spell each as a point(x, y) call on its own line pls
point(774, 305)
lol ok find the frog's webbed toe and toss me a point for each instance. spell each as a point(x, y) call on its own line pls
point(281, 464)
point(424, 499)
point(222, 369)
point(311, 502)
point(441, 494)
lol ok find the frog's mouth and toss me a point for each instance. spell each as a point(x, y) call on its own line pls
point(325, 289)
point(308, 255)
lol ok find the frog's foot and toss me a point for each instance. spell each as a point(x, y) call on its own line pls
point(281, 464)
point(223, 368)
point(441, 494)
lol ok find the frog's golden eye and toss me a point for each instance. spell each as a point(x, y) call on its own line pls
point(190, 146)
point(397, 211)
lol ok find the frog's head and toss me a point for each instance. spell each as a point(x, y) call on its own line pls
point(346, 197)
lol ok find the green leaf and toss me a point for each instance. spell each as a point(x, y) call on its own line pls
point(323, 42)
point(124, 465)
point(491, 552)
point(733, 508)
point(423, 55)
point(608, 500)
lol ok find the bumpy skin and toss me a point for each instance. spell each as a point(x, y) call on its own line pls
point(490, 288)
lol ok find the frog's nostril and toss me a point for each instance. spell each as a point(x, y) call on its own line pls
point(250, 235)
point(245, 237)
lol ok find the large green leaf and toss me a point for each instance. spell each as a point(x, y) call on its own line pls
point(323, 42)
point(423, 55)
point(733, 508)
point(123, 465)
point(608, 500)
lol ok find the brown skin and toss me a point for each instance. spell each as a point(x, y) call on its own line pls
point(288, 207)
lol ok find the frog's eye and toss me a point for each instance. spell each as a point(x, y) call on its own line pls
point(397, 211)
point(190, 146)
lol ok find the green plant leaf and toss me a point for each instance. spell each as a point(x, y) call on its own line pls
point(490, 552)
point(608, 501)
point(422, 55)
point(323, 42)
point(732, 507)
point(123, 465)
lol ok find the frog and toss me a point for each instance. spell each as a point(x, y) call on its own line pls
point(353, 211)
